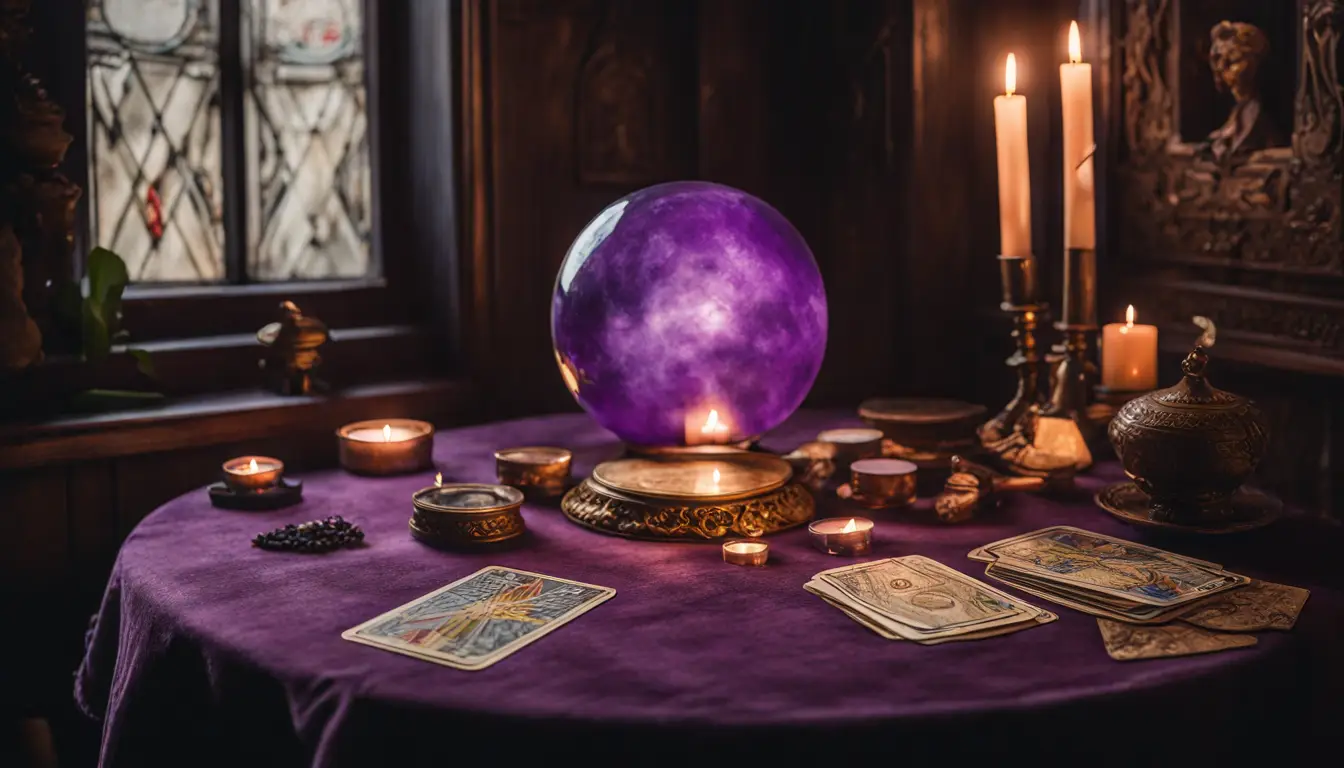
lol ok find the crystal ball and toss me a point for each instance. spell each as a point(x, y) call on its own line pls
point(689, 313)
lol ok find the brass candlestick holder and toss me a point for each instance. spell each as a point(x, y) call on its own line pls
point(1067, 427)
point(1018, 275)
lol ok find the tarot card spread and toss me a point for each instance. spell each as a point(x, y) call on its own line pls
point(1126, 584)
point(915, 598)
point(480, 619)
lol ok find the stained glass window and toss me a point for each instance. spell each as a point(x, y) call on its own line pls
point(308, 157)
point(155, 187)
point(159, 126)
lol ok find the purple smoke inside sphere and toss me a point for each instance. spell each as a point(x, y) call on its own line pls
point(684, 298)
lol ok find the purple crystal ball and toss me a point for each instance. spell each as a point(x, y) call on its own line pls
point(689, 312)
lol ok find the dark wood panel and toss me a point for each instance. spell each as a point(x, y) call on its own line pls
point(34, 531)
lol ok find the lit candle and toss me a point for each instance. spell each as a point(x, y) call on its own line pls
point(1129, 355)
point(746, 552)
point(1010, 133)
point(842, 536)
point(711, 428)
point(252, 473)
point(386, 447)
point(1075, 85)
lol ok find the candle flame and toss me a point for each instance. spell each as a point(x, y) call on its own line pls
point(1010, 75)
point(252, 466)
point(1129, 317)
point(850, 527)
point(1075, 44)
point(438, 479)
point(716, 477)
point(712, 423)
point(387, 433)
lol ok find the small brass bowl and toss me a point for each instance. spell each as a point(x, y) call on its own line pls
point(536, 470)
point(466, 514)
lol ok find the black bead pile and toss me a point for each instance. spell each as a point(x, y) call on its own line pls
point(312, 536)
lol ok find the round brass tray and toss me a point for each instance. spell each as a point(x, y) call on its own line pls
point(671, 500)
point(1251, 509)
point(739, 475)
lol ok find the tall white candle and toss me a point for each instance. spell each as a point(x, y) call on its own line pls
point(1080, 209)
point(1129, 355)
point(1010, 134)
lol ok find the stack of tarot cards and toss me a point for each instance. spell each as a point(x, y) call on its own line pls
point(1103, 575)
point(915, 598)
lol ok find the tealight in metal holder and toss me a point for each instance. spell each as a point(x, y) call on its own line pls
point(1066, 427)
point(1018, 276)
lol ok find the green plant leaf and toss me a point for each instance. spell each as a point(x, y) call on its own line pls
point(97, 339)
point(107, 281)
point(143, 362)
point(97, 400)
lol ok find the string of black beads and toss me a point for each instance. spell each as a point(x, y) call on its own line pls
point(312, 536)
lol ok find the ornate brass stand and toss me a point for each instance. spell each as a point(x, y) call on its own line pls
point(669, 499)
point(1066, 427)
point(1018, 275)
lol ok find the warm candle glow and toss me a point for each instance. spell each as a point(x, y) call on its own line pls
point(252, 466)
point(1129, 354)
point(850, 527)
point(1075, 44)
point(1010, 75)
point(716, 477)
point(712, 425)
point(387, 433)
point(438, 479)
point(1129, 317)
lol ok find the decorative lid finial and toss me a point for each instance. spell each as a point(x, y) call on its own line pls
point(1195, 362)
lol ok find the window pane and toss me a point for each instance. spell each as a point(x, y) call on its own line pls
point(308, 155)
point(153, 101)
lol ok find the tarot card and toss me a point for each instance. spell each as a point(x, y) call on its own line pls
point(918, 598)
point(883, 627)
point(983, 554)
point(1126, 642)
point(1256, 606)
point(1145, 615)
point(478, 620)
point(1114, 567)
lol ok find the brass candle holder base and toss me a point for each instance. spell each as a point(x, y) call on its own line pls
point(466, 514)
point(1018, 277)
point(1068, 426)
point(710, 497)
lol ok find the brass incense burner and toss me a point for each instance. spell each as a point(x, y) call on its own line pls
point(1189, 447)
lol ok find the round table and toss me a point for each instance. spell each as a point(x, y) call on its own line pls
point(204, 643)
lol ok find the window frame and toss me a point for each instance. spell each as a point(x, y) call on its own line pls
point(158, 311)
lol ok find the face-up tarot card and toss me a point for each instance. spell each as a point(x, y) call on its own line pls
point(480, 619)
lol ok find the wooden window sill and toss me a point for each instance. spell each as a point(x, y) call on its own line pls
point(224, 418)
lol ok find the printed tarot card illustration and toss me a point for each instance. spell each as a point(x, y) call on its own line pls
point(480, 619)
point(1113, 566)
point(921, 594)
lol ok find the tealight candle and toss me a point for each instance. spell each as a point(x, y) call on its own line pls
point(252, 473)
point(746, 552)
point(386, 446)
point(842, 536)
point(538, 469)
point(853, 443)
point(1129, 355)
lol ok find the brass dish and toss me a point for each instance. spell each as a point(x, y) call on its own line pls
point(466, 514)
point(1250, 509)
point(923, 424)
point(677, 499)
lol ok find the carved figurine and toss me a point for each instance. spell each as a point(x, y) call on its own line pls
point(292, 350)
point(1236, 56)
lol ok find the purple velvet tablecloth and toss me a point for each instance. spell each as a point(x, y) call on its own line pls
point(208, 651)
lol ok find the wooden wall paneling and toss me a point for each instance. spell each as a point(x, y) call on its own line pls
point(34, 529)
point(587, 101)
point(91, 494)
point(735, 118)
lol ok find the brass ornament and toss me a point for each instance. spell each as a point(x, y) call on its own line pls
point(1189, 447)
point(291, 351)
point(437, 523)
point(602, 508)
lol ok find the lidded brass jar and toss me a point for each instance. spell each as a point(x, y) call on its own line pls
point(1189, 447)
